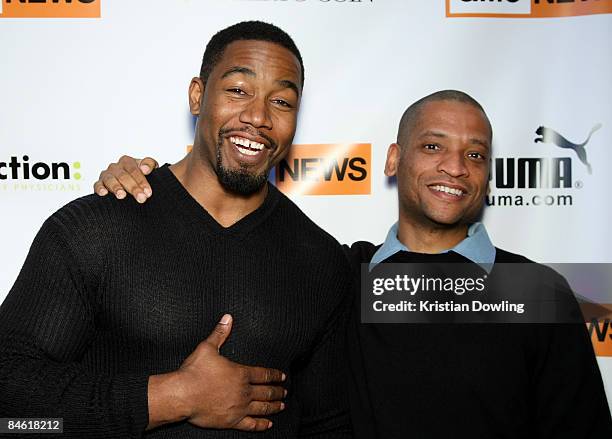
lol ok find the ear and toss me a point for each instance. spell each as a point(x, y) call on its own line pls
point(393, 157)
point(196, 92)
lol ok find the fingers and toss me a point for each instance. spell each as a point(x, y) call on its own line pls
point(253, 424)
point(127, 176)
point(111, 184)
point(147, 165)
point(263, 375)
point(131, 177)
point(221, 332)
point(99, 187)
point(258, 408)
point(138, 170)
point(267, 393)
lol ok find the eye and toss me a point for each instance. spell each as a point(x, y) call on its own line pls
point(236, 90)
point(476, 155)
point(282, 103)
point(431, 147)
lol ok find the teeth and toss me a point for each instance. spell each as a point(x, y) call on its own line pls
point(448, 190)
point(253, 147)
point(247, 151)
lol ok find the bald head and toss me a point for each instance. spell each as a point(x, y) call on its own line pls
point(413, 112)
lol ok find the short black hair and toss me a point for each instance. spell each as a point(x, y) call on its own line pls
point(246, 30)
point(413, 111)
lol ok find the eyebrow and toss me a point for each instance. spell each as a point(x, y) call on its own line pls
point(481, 143)
point(439, 134)
point(432, 134)
point(238, 69)
point(246, 71)
point(289, 84)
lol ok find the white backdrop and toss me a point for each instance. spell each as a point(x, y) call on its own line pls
point(88, 90)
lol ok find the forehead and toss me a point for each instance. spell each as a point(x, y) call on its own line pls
point(262, 57)
point(452, 118)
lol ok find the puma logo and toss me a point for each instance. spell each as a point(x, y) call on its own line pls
point(551, 136)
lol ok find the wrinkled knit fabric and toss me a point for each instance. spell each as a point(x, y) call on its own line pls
point(113, 292)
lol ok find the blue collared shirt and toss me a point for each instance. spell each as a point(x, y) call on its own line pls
point(476, 247)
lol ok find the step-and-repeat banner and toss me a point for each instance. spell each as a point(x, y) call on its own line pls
point(82, 82)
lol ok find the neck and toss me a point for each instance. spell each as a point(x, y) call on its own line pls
point(429, 238)
point(200, 180)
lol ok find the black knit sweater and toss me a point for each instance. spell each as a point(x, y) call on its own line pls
point(112, 292)
point(432, 381)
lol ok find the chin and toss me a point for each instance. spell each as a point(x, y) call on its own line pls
point(447, 221)
point(445, 224)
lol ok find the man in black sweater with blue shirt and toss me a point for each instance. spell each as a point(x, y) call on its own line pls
point(462, 379)
point(112, 323)
point(447, 380)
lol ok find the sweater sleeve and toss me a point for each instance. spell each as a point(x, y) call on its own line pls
point(570, 401)
point(569, 394)
point(321, 384)
point(46, 325)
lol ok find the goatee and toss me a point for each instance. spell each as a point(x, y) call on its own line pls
point(240, 181)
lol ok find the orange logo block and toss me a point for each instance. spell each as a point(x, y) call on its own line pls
point(50, 8)
point(526, 8)
point(329, 169)
point(601, 337)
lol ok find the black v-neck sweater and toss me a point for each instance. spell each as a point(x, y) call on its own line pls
point(113, 291)
point(440, 380)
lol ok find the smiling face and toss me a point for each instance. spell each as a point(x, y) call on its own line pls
point(442, 164)
point(247, 112)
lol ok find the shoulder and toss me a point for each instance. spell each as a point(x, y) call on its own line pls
point(93, 214)
point(361, 251)
point(90, 214)
point(504, 256)
point(302, 230)
point(74, 237)
point(80, 214)
point(535, 278)
point(91, 226)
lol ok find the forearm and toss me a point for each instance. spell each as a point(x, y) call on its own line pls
point(92, 406)
point(570, 397)
point(165, 400)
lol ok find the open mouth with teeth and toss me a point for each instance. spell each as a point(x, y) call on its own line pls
point(448, 190)
point(246, 146)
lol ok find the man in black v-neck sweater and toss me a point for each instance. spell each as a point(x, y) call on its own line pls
point(92, 315)
point(108, 323)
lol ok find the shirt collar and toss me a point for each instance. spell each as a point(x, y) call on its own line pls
point(476, 247)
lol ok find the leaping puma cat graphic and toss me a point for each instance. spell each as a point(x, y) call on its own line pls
point(551, 136)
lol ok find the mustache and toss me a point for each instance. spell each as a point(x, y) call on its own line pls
point(224, 131)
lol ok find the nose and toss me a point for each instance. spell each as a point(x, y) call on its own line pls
point(256, 113)
point(453, 163)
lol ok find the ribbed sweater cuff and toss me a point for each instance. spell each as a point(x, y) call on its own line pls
point(132, 395)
